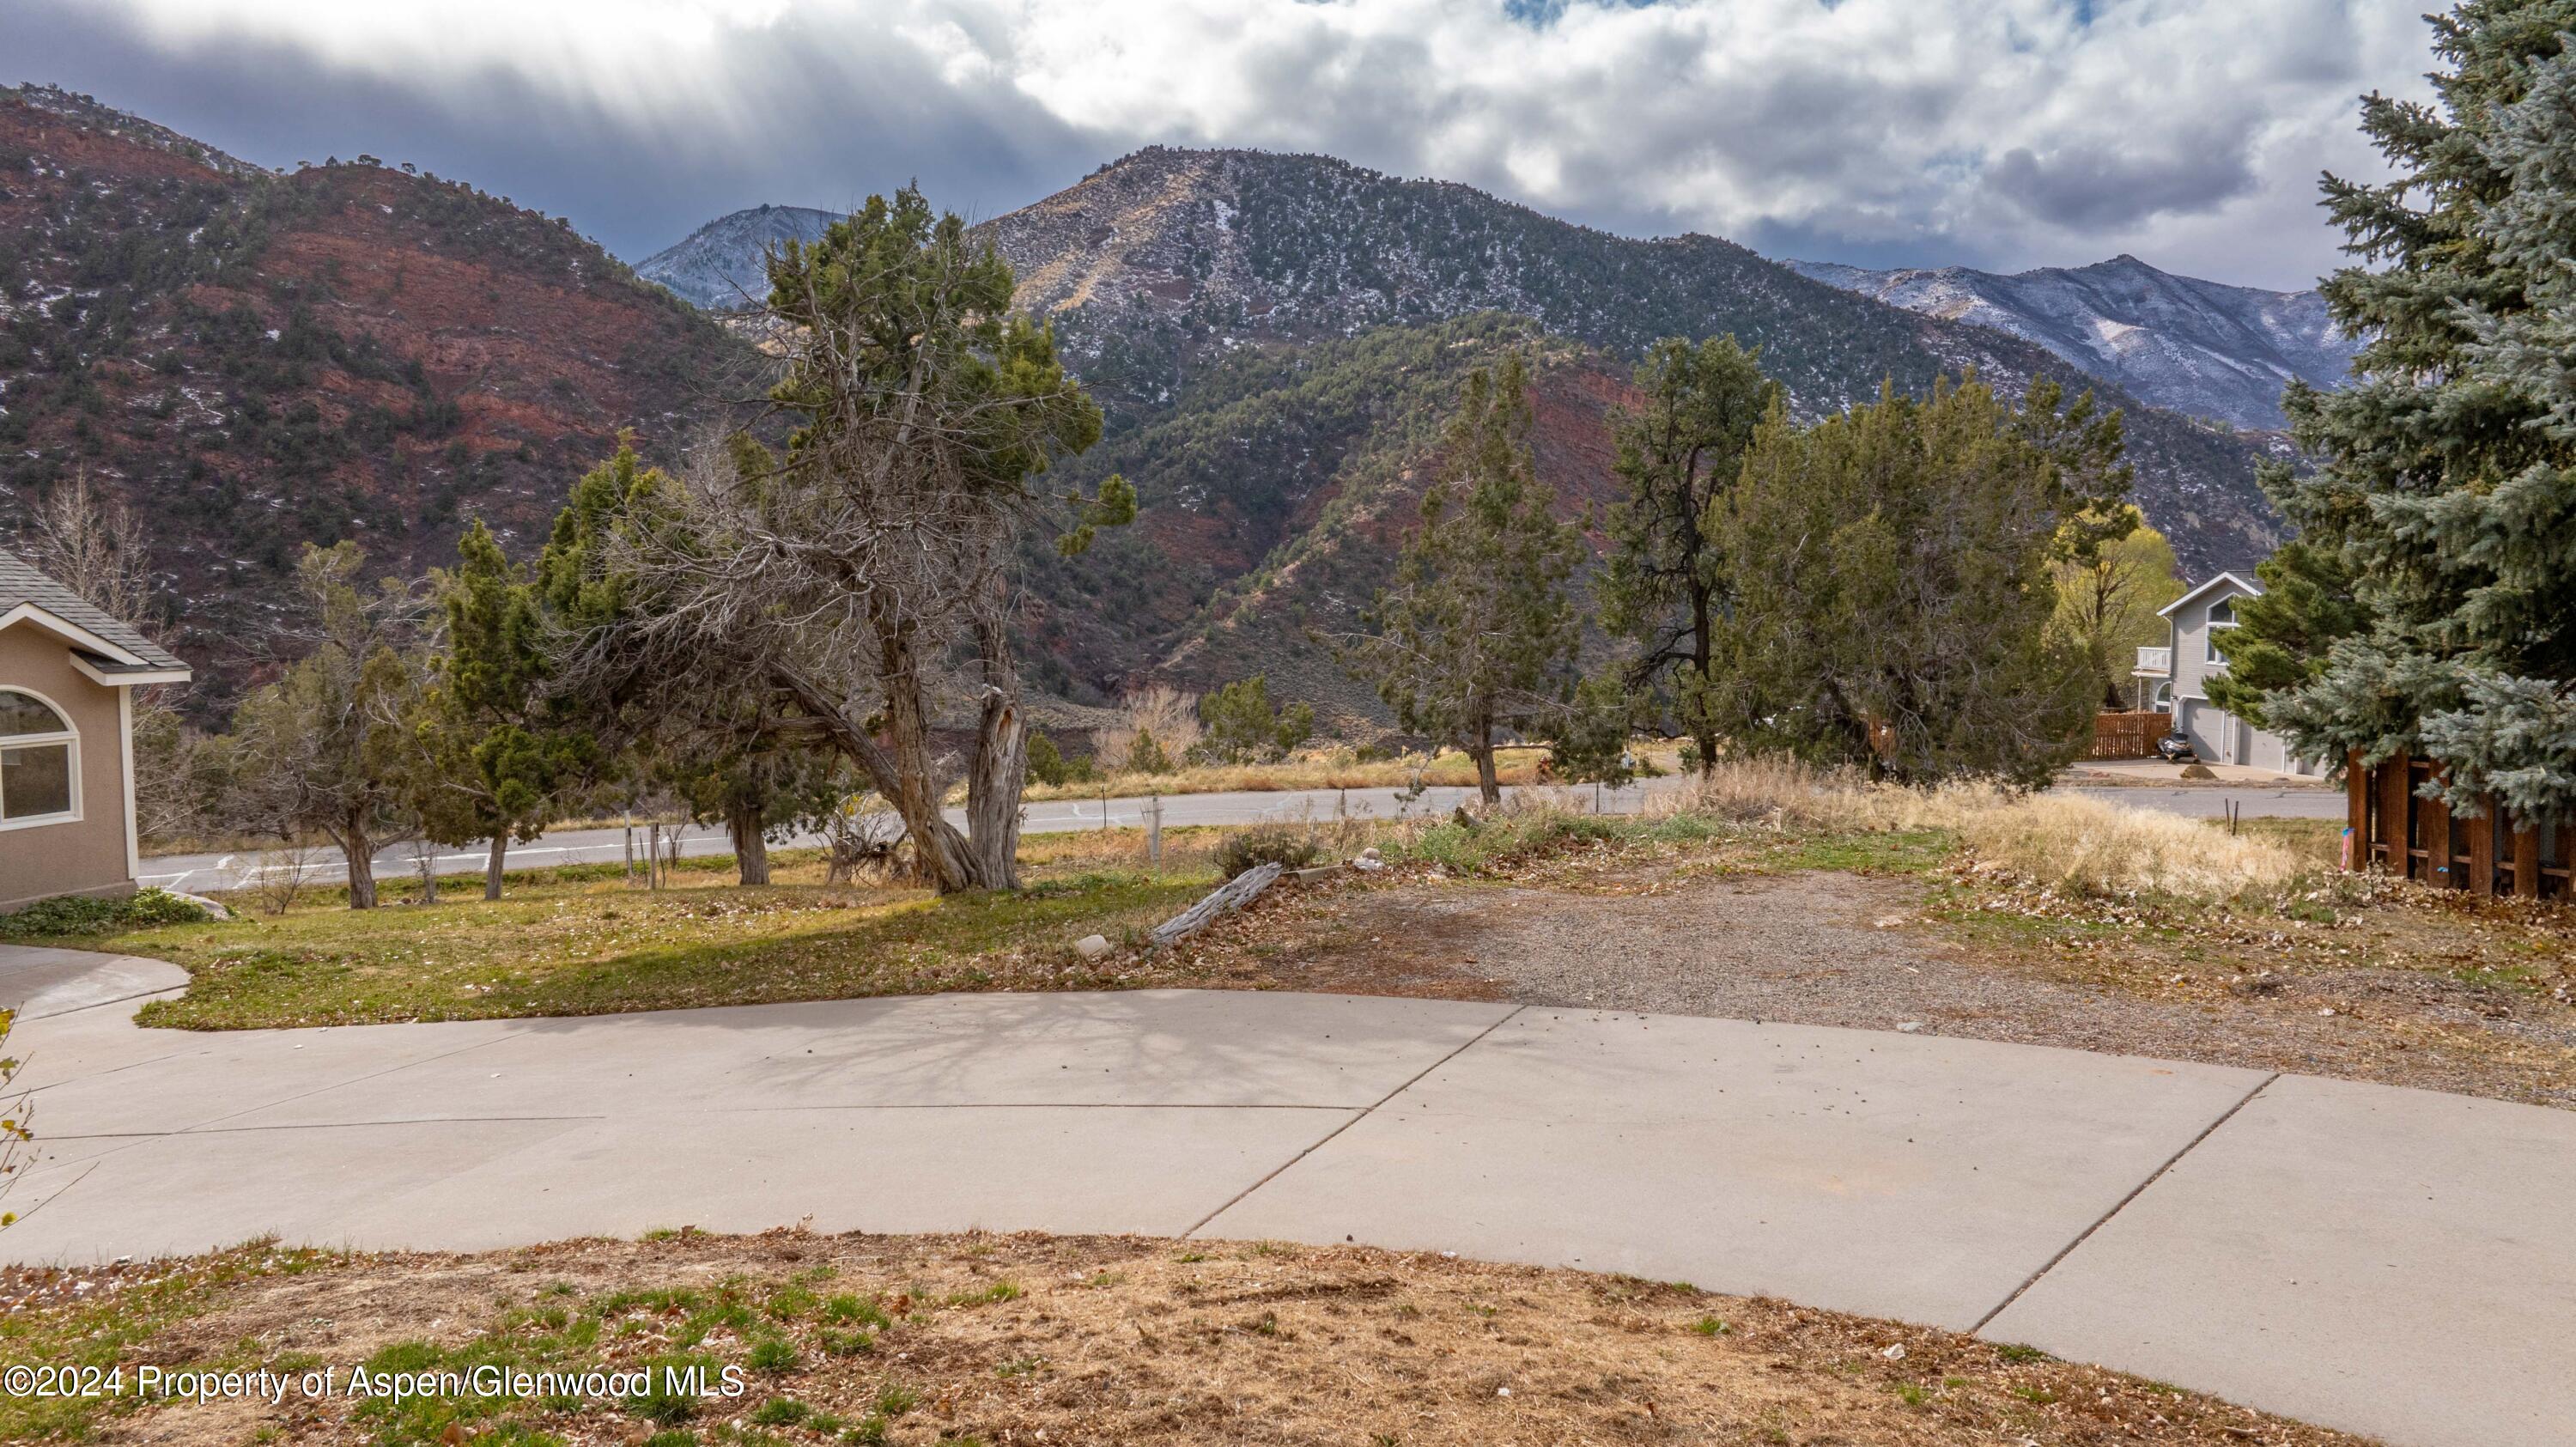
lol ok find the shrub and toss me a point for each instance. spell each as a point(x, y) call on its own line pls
point(1262, 844)
point(1145, 756)
point(81, 914)
point(1046, 761)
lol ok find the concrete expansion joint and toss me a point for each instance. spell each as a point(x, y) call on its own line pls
point(1356, 1117)
point(2123, 1203)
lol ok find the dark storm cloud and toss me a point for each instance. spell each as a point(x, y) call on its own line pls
point(830, 126)
point(2088, 187)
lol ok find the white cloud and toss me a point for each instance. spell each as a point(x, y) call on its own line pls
point(2006, 132)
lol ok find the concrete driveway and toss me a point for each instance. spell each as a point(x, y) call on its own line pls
point(2387, 1261)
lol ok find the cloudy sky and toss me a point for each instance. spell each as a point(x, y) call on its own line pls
point(1999, 133)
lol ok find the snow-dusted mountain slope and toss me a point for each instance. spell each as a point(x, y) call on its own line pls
point(2215, 351)
point(717, 266)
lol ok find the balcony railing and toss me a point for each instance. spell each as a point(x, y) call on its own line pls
point(2154, 662)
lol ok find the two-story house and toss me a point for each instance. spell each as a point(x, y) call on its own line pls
point(2171, 679)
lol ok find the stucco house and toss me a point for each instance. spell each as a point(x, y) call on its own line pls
point(67, 678)
point(2171, 679)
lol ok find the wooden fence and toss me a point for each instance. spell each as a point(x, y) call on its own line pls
point(2128, 735)
point(2388, 826)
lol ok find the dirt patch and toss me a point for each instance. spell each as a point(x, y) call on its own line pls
point(1029, 1339)
point(1881, 953)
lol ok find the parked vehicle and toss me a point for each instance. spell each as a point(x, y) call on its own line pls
point(2175, 748)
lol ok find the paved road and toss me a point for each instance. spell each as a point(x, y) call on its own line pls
point(2389, 1261)
point(199, 873)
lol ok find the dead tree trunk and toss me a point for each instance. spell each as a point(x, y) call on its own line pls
point(998, 773)
point(492, 863)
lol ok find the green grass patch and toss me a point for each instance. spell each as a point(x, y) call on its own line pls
point(567, 944)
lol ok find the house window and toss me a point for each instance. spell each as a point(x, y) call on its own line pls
point(2222, 614)
point(39, 762)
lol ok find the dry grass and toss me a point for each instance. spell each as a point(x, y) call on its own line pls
point(2062, 841)
point(1334, 768)
point(1027, 1339)
point(1169, 714)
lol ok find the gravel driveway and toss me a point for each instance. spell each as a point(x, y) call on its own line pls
point(1852, 950)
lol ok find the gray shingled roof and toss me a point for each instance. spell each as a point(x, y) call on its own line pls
point(21, 583)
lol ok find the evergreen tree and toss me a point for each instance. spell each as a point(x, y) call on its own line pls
point(2281, 640)
point(491, 759)
point(757, 789)
point(1046, 761)
point(1145, 756)
point(1661, 586)
point(1242, 727)
point(1477, 634)
point(2446, 474)
point(1890, 570)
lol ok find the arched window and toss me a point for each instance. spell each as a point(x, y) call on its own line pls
point(39, 762)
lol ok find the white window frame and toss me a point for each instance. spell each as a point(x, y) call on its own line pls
point(69, 735)
point(2210, 625)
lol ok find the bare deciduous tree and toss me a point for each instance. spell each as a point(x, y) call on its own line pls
point(87, 539)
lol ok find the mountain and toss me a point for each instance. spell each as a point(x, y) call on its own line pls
point(718, 266)
point(1165, 271)
point(255, 360)
point(2200, 347)
point(1276, 337)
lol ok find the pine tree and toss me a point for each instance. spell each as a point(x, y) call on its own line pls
point(1661, 586)
point(2446, 474)
point(1477, 635)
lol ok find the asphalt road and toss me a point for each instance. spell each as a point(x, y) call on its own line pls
point(200, 873)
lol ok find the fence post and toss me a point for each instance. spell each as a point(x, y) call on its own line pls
point(1154, 835)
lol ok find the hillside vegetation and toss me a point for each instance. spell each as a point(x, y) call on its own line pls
point(261, 360)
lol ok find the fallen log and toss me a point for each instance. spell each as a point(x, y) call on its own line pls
point(1232, 895)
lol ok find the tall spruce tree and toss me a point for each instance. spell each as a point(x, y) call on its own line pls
point(1662, 586)
point(2446, 474)
point(1477, 635)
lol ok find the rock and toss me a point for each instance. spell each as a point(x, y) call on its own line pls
point(1895, 1353)
point(1091, 947)
point(214, 909)
point(1371, 853)
point(1908, 1027)
point(2198, 771)
point(1368, 865)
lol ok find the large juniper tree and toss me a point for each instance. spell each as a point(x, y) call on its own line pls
point(1891, 572)
point(867, 574)
point(1661, 587)
point(1476, 636)
point(2445, 482)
